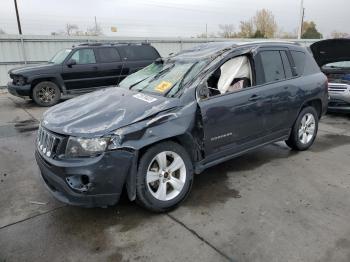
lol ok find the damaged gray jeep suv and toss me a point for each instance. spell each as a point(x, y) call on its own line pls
point(177, 117)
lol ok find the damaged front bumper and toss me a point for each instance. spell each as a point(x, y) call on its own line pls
point(87, 182)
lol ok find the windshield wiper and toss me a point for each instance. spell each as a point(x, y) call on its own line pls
point(130, 87)
point(162, 72)
point(182, 80)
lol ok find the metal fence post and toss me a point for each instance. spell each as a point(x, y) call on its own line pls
point(23, 50)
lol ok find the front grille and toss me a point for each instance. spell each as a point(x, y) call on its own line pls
point(338, 88)
point(49, 143)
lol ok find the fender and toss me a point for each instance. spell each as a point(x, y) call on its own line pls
point(58, 79)
point(175, 125)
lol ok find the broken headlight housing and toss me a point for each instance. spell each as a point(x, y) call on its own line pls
point(19, 80)
point(89, 147)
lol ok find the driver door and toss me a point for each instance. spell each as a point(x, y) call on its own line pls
point(233, 121)
point(84, 74)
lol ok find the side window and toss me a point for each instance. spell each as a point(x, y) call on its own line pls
point(84, 56)
point(107, 54)
point(233, 75)
point(271, 67)
point(286, 65)
point(299, 61)
point(134, 52)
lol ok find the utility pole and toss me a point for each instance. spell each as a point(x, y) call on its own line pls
point(301, 20)
point(206, 31)
point(95, 25)
point(18, 21)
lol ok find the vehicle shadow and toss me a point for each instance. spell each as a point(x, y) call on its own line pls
point(212, 185)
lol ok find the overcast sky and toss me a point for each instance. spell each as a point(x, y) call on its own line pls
point(175, 18)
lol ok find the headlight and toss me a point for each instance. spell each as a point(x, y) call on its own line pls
point(19, 80)
point(83, 147)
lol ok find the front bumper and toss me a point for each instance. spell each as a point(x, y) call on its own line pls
point(339, 97)
point(20, 91)
point(103, 178)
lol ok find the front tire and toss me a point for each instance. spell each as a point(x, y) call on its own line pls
point(46, 93)
point(164, 177)
point(304, 130)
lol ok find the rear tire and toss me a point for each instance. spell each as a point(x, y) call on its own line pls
point(304, 130)
point(164, 177)
point(46, 93)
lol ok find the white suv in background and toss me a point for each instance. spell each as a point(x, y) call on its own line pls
point(333, 56)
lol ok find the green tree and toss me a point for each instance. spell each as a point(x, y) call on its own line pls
point(310, 31)
point(258, 34)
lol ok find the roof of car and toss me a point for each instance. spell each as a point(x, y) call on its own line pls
point(216, 48)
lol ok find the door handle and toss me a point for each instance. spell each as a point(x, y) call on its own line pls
point(95, 67)
point(254, 98)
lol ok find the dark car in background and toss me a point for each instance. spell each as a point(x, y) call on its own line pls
point(333, 56)
point(177, 117)
point(80, 69)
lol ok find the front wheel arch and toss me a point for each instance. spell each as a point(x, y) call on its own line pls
point(143, 195)
point(36, 81)
point(130, 184)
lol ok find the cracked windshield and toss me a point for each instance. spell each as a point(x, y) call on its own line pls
point(165, 79)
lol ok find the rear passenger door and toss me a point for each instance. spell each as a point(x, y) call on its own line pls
point(136, 57)
point(110, 65)
point(273, 71)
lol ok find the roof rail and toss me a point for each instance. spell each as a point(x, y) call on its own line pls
point(112, 43)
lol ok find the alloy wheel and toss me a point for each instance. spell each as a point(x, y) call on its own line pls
point(307, 128)
point(46, 94)
point(166, 175)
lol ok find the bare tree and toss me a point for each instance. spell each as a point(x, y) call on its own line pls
point(246, 29)
point(71, 28)
point(336, 34)
point(61, 32)
point(264, 22)
point(227, 31)
point(287, 35)
point(2, 32)
point(96, 30)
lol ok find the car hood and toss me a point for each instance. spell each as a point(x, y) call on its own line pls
point(331, 50)
point(100, 112)
point(31, 68)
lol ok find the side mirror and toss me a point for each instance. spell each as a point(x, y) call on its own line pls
point(71, 62)
point(203, 91)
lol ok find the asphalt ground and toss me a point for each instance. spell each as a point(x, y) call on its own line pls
point(273, 204)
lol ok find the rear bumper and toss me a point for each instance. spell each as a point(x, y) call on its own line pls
point(106, 175)
point(20, 91)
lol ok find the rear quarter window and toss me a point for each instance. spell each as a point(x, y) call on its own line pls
point(143, 52)
point(299, 61)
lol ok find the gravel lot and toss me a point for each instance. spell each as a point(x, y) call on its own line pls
point(270, 205)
